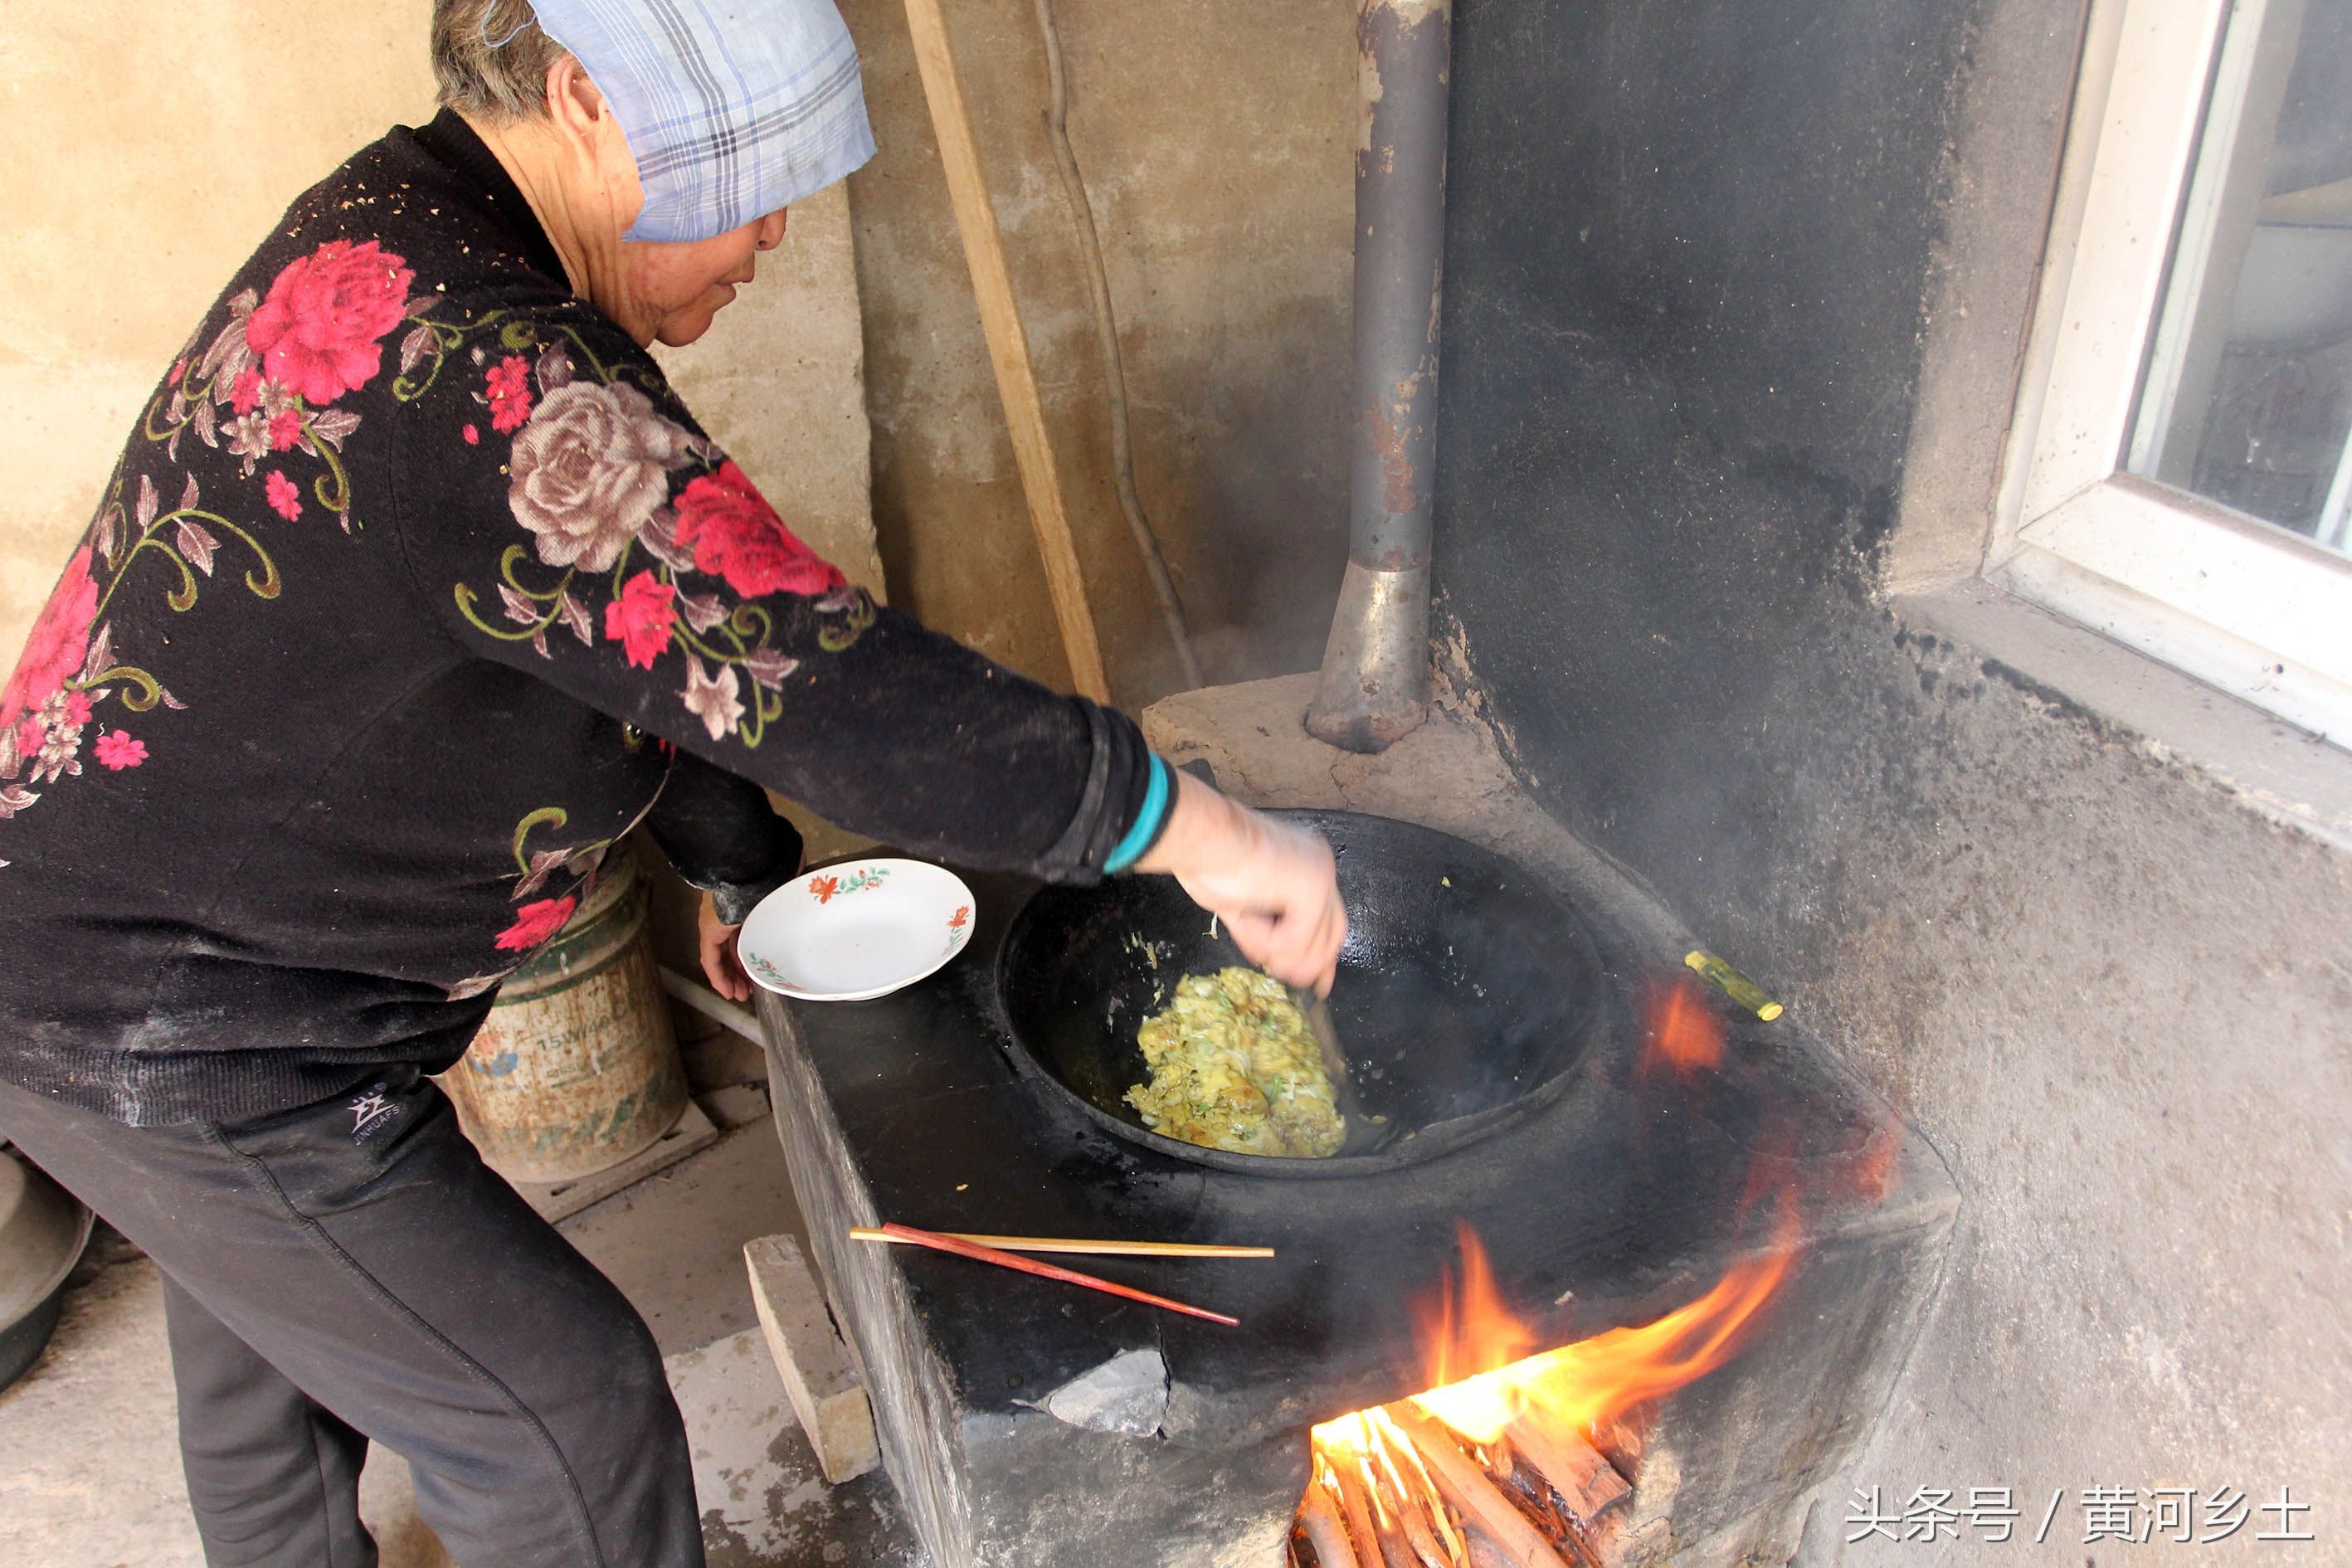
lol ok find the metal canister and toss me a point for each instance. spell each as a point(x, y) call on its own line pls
point(576, 1068)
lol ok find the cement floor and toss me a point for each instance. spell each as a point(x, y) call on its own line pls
point(90, 1472)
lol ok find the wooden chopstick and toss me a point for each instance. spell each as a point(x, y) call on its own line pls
point(963, 1249)
point(1073, 1244)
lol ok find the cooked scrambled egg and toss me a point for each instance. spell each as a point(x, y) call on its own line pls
point(1234, 1065)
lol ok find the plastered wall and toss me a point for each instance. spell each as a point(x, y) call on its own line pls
point(1217, 143)
point(150, 149)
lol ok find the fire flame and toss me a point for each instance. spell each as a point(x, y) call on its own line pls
point(1374, 1480)
point(1685, 1034)
point(1483, 1377)
point(1466, 1330)
point(1507, 1443)
point(1583, 1386)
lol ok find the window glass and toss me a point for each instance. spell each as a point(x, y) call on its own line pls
point(2247, 398)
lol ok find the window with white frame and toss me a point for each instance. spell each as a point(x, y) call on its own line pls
point(2180, 472)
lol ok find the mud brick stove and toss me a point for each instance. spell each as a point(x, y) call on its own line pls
point(1027, 1423)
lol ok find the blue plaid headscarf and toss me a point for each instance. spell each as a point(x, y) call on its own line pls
point(733, 108)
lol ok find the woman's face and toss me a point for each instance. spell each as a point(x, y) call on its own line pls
point(671, 289)
point(659, 290)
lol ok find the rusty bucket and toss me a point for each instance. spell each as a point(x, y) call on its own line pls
point(576, 1069)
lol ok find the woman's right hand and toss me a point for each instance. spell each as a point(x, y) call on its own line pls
point(1275, 885)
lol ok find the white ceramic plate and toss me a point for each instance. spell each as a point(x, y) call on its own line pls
point(856, 931)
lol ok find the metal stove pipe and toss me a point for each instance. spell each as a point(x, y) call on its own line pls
point(1375, 682)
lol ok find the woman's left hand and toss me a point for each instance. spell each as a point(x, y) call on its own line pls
point(721, 963)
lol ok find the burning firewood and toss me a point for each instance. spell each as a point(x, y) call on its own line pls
point(1505, 1459)
point(1586, 1481)
point(1386, 1503)
point(1466, 1485)
point(1326, 1532)
point(1523, 1485)
point(1482, 1551)
point(1456, 1554)
point(1356, 1506)
point(1398, 1501)
point(1423, 1540)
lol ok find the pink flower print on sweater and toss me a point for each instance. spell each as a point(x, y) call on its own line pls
point(510, 394)
point(119, 749)
point(535, 922)
point(58, 643)
point(736, 534)
point(285, 496)
point(320, 331)
point(641, 618)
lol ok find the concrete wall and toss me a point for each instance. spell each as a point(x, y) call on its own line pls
point(153, 147)
point(1687, 257)
point(1216, 139)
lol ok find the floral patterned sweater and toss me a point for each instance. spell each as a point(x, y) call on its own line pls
point(415, 588)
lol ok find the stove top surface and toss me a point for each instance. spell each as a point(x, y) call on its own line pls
point(1621, 1199)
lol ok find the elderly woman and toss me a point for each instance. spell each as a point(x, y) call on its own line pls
point(414, 589)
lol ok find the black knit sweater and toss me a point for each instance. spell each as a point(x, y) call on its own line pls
point(415, 588)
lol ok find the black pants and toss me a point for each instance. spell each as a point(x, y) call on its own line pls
point(350, 1271)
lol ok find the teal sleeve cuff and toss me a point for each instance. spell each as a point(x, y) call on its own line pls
point(1157, 796)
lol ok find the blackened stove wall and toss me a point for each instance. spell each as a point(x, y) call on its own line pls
point(1684, 255)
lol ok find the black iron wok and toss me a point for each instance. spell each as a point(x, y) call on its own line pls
point(1465, 995)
